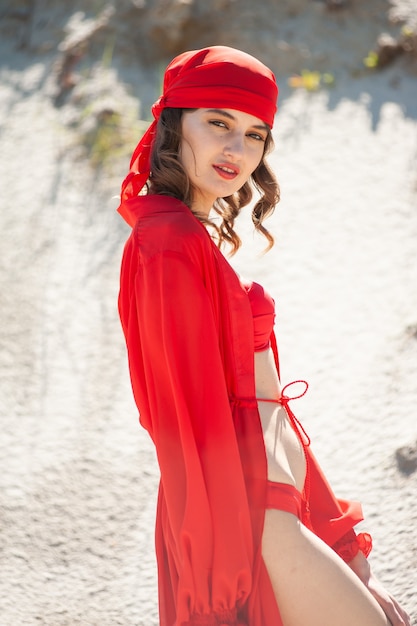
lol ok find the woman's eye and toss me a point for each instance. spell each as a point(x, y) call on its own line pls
point(218, 123)
point(257, 137)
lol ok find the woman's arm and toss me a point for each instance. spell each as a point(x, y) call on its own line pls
point(395, 613)
point(333, 520)
point(179, 384)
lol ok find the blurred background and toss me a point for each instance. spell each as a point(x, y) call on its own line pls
point(78, 476)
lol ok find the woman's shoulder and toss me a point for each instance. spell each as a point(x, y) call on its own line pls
point(166, 225)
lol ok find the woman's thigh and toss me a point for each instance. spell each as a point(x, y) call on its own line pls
point(312, 585)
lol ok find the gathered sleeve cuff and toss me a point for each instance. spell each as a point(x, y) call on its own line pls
point(348, 546)
point(222, 618)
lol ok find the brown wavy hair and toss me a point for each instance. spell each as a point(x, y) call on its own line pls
point(168, 177)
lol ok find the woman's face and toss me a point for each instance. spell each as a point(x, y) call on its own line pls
point(220, 148)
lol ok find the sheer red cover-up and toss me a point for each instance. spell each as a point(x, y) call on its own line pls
point(189, 334)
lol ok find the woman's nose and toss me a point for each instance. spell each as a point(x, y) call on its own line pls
point(234, 146)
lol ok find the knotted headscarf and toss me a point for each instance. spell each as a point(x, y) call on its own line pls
point(214, 77)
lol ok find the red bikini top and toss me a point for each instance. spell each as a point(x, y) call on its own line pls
point(263, 313)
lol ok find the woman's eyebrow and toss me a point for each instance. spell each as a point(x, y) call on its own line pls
point(231, 117)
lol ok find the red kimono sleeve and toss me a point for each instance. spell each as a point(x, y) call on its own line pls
point(179, 385)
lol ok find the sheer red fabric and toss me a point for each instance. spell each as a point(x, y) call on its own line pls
point(189, 334)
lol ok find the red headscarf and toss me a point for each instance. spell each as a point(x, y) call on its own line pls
point(214, 77)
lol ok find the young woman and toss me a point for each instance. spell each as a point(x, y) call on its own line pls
point(248, 530)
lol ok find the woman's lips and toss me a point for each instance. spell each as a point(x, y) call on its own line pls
point(226, 170)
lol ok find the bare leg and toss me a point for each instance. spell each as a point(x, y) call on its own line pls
point(312, 585)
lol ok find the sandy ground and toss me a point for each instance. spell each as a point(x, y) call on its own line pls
point(78, 476)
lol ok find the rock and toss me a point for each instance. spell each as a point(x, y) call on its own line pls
point(388, 49)
point(333, 5)
point(411, 331)
point(167, 22)
point(406, 457)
